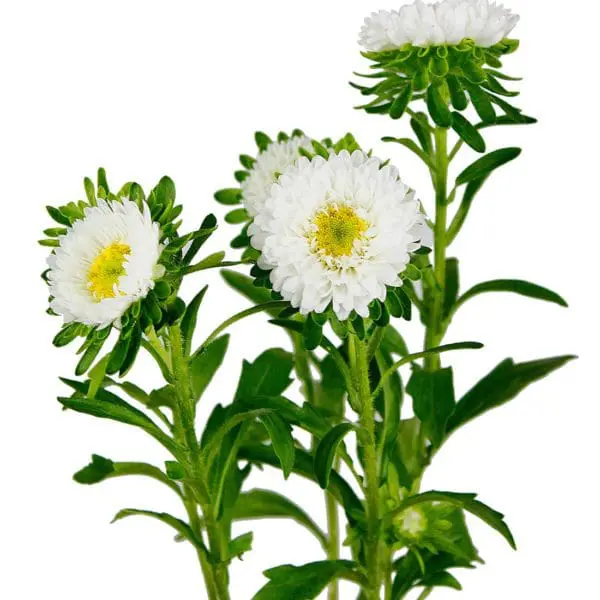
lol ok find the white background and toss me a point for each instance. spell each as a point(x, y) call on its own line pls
point(150, 88)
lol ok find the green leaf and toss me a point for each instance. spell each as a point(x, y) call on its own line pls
point(467, 502)
point(98, 470)
point(313, 333)
point(265, 504)
point(204, 365)
point(471, 191)
point(106, 405)
point(183, 529)
point(174, 470)
point(482, 104)
point(245, 286)
point(452, 286)
point(68, 333)
point(326, 451)
point(190, 318)
point(304, 466)
point(433, 400)
point(438, 107)
point(401, 102)
point(262, 140)
point(501, 385)
point(420, 125)
point(237, 216)
point(58, 216)
point(442, 579)
point(393, 342)
point(211, 261)
point(240, 545)
point(485, 165)
point(281, 440)
point(268, 375)
point(229, 196)
point(413, 147)
point(515, 286)
point(467, 132)
point(457, 93)
point(289, 582)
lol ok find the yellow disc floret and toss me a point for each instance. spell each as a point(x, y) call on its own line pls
point(106, 270)
point(337, 230)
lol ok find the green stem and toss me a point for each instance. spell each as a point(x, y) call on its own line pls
point(433, 335)
point(333, 540)
point(302, 360)
point(425, 593)
point(239, 316)
point(368, 441)
point(185, 414)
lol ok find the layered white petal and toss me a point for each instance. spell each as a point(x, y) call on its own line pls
point(103, 225)
point(445, 22)
point(269, 165)
point(283, 230)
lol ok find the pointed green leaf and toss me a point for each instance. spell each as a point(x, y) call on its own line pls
point(467, 132)
point(401, 102)
point(485, 165)
point(281, 440)
point(326, 451)
point(204, 365)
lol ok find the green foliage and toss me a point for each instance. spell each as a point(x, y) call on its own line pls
point(501, 385)
point(484, 166)
point(265, 504)
point(204, 365)
point(305, 582)
point(433, 400)
point(326, 452)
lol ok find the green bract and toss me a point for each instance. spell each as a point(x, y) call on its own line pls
point(446, 78)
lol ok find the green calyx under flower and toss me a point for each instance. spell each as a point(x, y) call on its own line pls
point(117, 262)
point(447, 78)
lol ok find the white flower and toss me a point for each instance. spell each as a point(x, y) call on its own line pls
point(105, 262)
point(269, 165)
point(337, 231)
point(445, 22)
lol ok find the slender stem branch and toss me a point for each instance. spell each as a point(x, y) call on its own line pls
point(333, 540)
point(239, 316)
point(425, 593)
point(433, 334)
point(225, 263)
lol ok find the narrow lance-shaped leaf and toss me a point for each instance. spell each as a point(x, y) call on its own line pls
point(502, 384)
point(281, 440)
point(485, 165)
point(265, 504)
point(467, 132)
point(326, 451)
point(515, 286)
point(205, 365)
point(401, 102)
point(190, 317)
point(182, 528)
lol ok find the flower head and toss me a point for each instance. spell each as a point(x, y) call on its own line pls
point(117, 261)
point(447, 54)
point(442, 23)
point(270, 163)
point(104, 263)
point(337, 232)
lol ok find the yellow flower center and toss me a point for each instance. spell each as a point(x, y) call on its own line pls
point(338, 228)
point(106, 270)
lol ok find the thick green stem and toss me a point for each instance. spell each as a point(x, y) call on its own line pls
point(434, 334)
point(186, 412)
point(368, 441)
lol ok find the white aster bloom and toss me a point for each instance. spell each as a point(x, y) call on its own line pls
point(337, 231)
point(106, 261)
point(269, 165)
point(446, 22)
